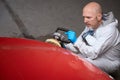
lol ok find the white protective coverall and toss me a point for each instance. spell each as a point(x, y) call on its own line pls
point(104, 46)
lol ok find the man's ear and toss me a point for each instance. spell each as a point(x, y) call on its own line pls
point(99, 17)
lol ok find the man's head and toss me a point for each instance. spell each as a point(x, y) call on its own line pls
point(92, 14)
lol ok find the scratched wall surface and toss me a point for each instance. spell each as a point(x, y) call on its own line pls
point(35, 18)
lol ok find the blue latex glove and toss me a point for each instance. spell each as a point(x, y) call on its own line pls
point(71, 35)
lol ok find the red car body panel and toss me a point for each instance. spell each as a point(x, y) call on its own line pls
point(23, 59)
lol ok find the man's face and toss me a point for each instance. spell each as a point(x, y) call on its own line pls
point(90, 18)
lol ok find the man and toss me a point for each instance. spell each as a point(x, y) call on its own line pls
point(99, 43)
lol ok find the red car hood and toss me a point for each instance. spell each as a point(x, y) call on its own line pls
point(23, 59)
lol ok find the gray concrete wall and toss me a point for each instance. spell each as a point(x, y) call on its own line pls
point(41, 17)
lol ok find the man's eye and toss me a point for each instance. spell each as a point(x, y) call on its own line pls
point(88, 17)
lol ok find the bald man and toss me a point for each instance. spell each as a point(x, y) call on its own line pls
point(99, 43)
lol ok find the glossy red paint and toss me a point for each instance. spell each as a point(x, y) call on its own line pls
point(23, 59)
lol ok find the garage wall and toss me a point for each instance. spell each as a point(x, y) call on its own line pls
point(41, 17)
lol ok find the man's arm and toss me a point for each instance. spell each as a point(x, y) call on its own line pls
point(99, 44)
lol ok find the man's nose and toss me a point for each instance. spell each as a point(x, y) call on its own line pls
point(85, 20)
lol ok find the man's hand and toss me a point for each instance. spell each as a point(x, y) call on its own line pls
point(71, 35)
